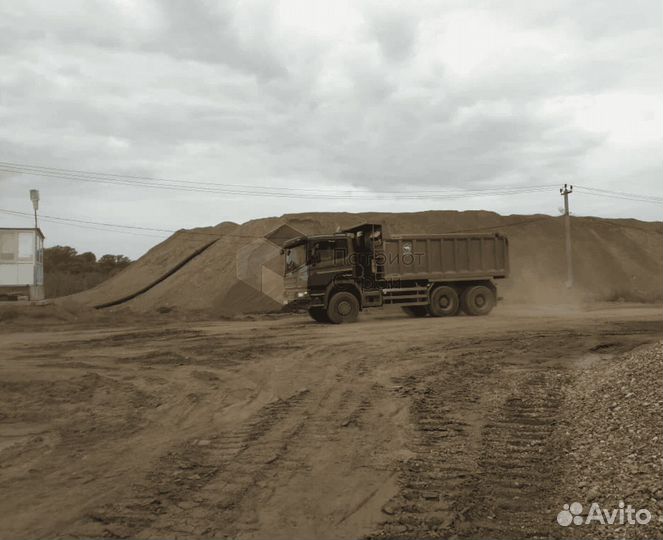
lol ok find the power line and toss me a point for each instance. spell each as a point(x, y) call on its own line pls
point(294, 193)
point(63, 221)
point(619, 193)
point(234, 189)
point(359, 196)
point(95, 222)
point(112, 176)
point(137, 177)
point(114, 226)
point(634, 198)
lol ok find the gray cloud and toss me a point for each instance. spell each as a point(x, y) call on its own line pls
point(395, 30)
point(209, 32)
point(368, 95)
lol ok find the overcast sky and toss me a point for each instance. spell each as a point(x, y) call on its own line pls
point(326, 95)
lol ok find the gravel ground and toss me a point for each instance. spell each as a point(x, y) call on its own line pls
point(614, 451)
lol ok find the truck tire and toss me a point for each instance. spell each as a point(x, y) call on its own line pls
point(444, 302)
point(318, 315)
point(415, 311)
point(477, 300)
point(343, 307)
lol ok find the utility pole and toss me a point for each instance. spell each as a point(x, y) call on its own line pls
point(565, 192)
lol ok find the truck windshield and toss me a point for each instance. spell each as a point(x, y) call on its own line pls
point(295, 257)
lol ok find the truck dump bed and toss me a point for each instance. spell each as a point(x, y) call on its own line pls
point(446, 256)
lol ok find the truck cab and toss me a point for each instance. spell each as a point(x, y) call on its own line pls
point(313, 262)
point(339, 266)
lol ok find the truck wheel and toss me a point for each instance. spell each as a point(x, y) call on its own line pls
point(444, 302)
point(318, 315)
point(478, 300)
point(343, 308)
point(415, 311)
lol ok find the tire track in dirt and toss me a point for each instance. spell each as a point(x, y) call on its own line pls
point(513, 496)
point(332, 438)
point(173, 494)
point(443, 467)
point(482, 441)
point(278, 447)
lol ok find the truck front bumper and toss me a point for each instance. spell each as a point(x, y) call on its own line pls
point(295, 296)
point(301, 299)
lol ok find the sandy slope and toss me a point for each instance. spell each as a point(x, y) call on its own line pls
point(154, 264)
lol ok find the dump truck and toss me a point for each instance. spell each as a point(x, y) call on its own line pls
point(335, 276)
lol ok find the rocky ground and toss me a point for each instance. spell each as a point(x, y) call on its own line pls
point(282, 428)
point(613, 430)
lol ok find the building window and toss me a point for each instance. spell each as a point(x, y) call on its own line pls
point(26, 246)
point(8, 246)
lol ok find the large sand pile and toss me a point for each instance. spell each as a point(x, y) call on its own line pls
point(155, 265)
point(239, 272)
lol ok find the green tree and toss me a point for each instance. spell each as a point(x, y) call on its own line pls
point(59, 257)
point(113, 262)
point(66, 271)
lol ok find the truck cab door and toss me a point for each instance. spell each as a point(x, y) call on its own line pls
point(329, 257)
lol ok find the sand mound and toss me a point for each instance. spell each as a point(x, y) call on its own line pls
point(240, 272)
point(155, 265)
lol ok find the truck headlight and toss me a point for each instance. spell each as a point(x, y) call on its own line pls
point(302, 294)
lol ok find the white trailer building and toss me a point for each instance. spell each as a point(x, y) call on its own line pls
point(21, 264)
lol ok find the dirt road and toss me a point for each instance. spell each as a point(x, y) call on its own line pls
point(285, 428)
